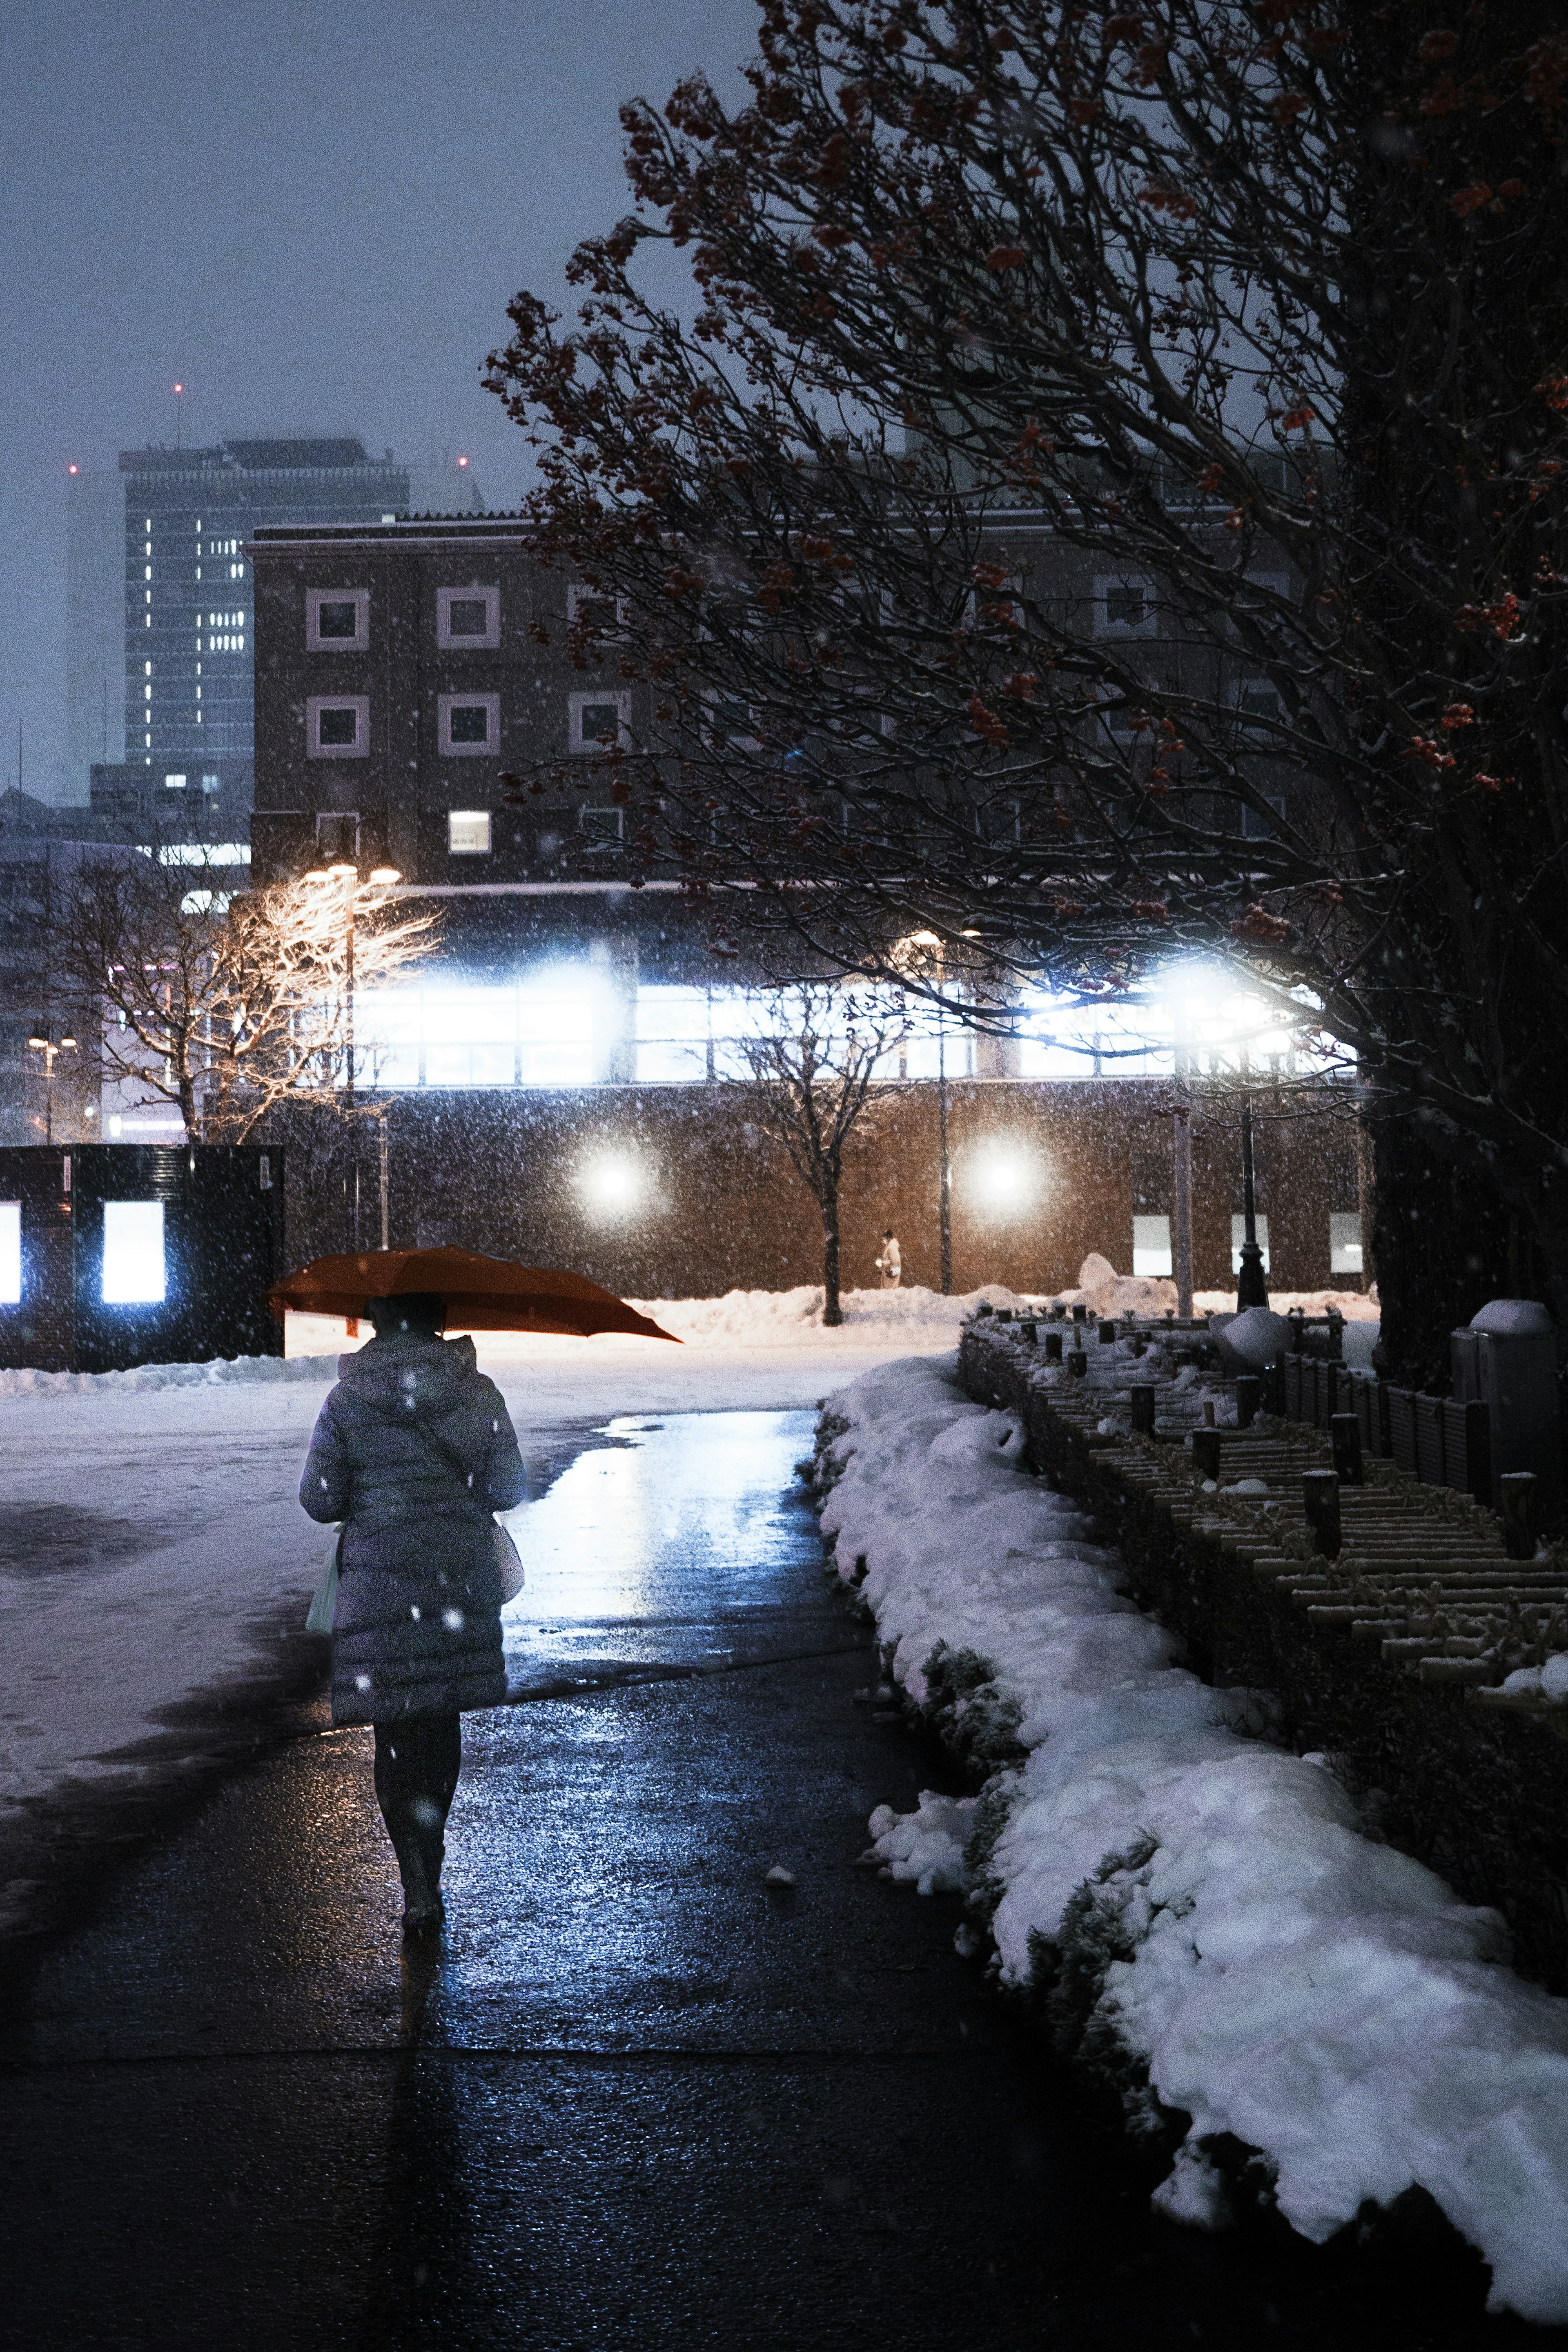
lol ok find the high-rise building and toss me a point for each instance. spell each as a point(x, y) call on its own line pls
point(189, 606)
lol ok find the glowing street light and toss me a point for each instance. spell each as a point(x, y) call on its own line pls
point(51, 1049)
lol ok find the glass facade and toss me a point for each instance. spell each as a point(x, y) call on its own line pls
point(190, 618)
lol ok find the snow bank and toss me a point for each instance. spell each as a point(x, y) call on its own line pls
point(221, 1372)
point(1280, 1976)
point(740, 1320)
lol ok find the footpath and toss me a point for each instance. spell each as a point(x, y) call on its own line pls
point(685, 2071)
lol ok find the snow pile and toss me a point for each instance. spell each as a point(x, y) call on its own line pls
point(1207, 1900)
point(1548, 1682)
point(926, 1845)
point(221, 1372)
point(751, 1318)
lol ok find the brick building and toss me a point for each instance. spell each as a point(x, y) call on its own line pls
point(573, 1025)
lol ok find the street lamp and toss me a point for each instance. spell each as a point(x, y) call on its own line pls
point(50, 1050)
point(931, 955)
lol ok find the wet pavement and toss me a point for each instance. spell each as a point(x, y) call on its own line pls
point(638, 2098)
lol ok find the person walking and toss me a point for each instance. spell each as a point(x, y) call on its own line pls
point(890, 1266)
point(412, 1452)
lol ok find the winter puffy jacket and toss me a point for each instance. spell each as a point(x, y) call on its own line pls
point(413, 1451)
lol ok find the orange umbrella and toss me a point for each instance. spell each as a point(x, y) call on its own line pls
point(481, 1293)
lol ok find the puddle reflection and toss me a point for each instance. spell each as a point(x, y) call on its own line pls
point(676, 1526)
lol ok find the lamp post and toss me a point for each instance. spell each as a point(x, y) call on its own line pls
point(382, 878)
point(50, 1050)
point(1251, 1284)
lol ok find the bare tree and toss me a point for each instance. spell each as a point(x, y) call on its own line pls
point(812, 1076)
point(1253, 315)
point(225, 1006)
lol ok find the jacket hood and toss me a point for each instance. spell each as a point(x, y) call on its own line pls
point(405, 1371)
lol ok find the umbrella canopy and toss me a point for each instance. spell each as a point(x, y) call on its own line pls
point(481, 1293)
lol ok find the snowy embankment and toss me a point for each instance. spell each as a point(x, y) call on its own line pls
point(1200, 1909)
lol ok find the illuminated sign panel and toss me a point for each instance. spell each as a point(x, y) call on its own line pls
point(133, 1273)
point(10, 1253)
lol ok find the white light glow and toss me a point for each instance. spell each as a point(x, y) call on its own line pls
point(1003, 1178)
point(133, 1273)
point(1151, 1246)
point(611, 1184)
point(10, 1253)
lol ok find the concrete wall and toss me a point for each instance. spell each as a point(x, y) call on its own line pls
point(713, 1203)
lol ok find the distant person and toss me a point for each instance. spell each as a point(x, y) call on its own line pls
point(414, 1451)
point(890, 1266)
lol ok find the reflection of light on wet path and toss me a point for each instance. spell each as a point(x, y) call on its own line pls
point(646, 1547)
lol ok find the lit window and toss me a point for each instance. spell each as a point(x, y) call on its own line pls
point(211, 783)
point(337, 620)
point(134, 1270)
point(1238, 1234)
point(599, 720)
point(10, 1253)
point(468, 616)
point(1151, 1246)
point(467, 724)
point(1344, 1241)
point(337, 726)
point(175, 784)
point(469, 833)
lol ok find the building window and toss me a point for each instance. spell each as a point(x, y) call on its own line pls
point(468, 616)
point(1344, 1241)
point(599, 720)
point(1151, 1246)
point(469, 833)
point(603, 828)
point(1238, 1234)
point(1255, 826)
point(591, 609)
point(1124, 607)
point(211, 783)
point(337, 726)
point(337, 620)
point(175, 784)
point(468, 726)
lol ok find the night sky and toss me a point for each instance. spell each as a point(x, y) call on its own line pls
point(313, 216)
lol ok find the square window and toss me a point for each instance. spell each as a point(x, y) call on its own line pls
point(599, 720)
point(211, 783)
point(468, 616)
point(1255, 826)
point(337, 726)
point(175, 784)
point(469, 833)
point(1238, 1234)
point(467, 725)
point(133, 1267)
point(1344, 1241)
point(1124, 607)
point(603, 828)
point(591, 609)
point(337, 620)
point(1151, 1246)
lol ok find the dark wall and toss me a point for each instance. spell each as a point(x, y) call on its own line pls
point(720, 1208)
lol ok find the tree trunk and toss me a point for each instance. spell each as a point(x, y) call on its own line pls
point(832, 1313)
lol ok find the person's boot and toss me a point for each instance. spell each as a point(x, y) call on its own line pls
point(420, 1850)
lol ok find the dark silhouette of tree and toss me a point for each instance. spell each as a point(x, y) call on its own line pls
point(1247, 318)
point(812, 1073)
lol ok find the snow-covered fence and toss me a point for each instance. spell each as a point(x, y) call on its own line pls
point(1406, 1646)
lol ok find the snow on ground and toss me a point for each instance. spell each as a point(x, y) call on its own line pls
point(151, 1549)
point(1282, 1977)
